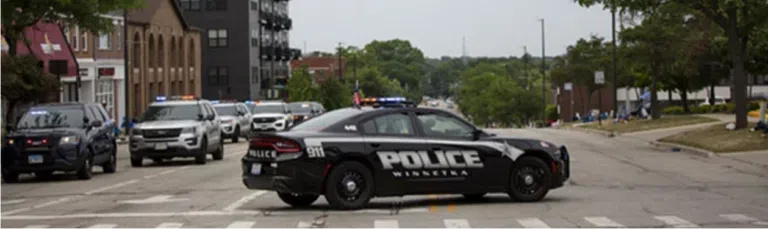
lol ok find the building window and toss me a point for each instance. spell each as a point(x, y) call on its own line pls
point(104, 41)
point(190, 5)
point(105, 94)
point(119, 40)
point(254, 4)
point(84, 38)
point(217, 38)
point(66, 33)
point(216, 4)
point(254, 75)
point(218, 76)
point(136, 60)
point(75, 41)
point(255, 38)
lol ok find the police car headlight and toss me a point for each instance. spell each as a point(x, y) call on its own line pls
point(226, 122)
point(69, 140)
point(189, 130)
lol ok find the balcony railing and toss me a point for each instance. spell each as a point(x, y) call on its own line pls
point(267, 19)
point(267, 52)
point(295, 54)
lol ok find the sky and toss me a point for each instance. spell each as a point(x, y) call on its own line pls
point(492, 28)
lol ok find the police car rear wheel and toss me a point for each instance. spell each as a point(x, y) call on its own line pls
point(349, 186)
point(530, 180)
point(297, 200)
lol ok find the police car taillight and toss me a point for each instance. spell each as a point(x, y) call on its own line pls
point(278, 144)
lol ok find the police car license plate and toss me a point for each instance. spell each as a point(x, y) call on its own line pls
point(35, 159)
point(161, 146)
point(256, 169)
point(264, 126)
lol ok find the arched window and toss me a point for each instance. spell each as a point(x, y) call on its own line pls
point(160, 52)
point(191, 61)
point(136, 51)
point(181, 53)
point(151, 59)
point(171, 56)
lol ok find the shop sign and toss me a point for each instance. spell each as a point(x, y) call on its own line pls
point(106, 72)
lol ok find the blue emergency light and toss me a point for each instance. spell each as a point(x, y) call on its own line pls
point(392, 99)
point(160, 98)
point(248, 102)
point(214, 101)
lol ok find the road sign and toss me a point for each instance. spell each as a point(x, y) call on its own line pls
point(599, 77)
point(568, 86)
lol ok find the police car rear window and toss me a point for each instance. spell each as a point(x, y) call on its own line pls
point(327, 119)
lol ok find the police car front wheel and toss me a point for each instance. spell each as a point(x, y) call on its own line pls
point(530, 179)
point(349, 185)
point(297, 200)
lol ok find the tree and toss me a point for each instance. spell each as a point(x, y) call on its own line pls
point(300, 86)
point(397, 59)
point(334, 95)
point(24, 81)
point(739, 18)
point(17, 15)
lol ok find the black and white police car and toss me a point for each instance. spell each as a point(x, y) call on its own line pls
point(353, 154)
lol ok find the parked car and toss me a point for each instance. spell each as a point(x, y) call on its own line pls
point(305, 110)
point(235, 119)
point(270, 116)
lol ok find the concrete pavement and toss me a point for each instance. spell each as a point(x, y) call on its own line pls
point(615, 183)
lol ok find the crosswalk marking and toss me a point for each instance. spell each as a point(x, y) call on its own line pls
point(532, 223)
point(170, 225)
point(303, 224)
point(38, 226)
point(603, 222)
point(104, 226)
point(675, 221)
point(241, 224)
point(738, 218)
point(456, 223)
point(382, 223)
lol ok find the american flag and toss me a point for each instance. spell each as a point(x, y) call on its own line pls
point(357, 94)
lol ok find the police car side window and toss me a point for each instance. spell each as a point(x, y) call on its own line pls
point(95, 113)
point(437, 125)
point(391, 124)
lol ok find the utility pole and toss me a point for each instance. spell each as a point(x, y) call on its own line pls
point(126, 66)
point(543, 75)
point(613, 71)
point(525, 67)
point(464, 50)
point(341, 68)
point(354, 66)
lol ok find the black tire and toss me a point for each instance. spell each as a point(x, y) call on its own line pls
point(530, 169)
point(219, 153)
point(86, 170)
point(203, 156)
point(236, 135)
point(10, 177)
point(349, 171)
point(297, 200)
point(44, 175)
point(137, 161)
point(474, 196)
point(111, 165)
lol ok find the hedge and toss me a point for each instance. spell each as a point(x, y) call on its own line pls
point(718, 108)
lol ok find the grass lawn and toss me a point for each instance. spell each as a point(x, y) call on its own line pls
point(644, 124)
point(719, 140)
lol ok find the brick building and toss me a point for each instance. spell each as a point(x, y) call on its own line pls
point(164, 54)
point(320, 67)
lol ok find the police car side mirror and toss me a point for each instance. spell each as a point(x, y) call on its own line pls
point(211, 117)
point(96, 123)
point(477, 134)
point(200, 117)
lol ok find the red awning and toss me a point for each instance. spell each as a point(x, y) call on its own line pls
point(47, 43)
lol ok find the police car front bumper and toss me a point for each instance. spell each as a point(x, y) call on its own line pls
point(291, 176)
point(186, 145)
point(275, 126)
point(561, 167)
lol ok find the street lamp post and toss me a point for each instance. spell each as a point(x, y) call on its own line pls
point(613, 70)
point(543, 74)
point(341, 68)
point(126, 65)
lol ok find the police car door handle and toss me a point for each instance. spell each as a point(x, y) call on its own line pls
point(375, 145)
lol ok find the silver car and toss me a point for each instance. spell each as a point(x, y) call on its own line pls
point(270, 116)
point(177, 127)
point(235, 119)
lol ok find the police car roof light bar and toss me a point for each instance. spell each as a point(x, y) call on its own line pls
point(160, 98)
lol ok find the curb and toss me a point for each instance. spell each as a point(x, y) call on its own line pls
point(689, 149)
point(592, 131)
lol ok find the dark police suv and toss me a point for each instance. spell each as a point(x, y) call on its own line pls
point(351, 155)
point(60, 137)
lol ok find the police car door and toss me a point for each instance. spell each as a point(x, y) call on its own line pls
point(395, 147)
point(463, 163)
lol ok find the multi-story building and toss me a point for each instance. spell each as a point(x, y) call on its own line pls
point(164, 54)
point(101, 67)
point(246, 50)
point(320, 67)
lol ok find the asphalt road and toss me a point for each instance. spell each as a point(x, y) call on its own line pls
point(614, 183)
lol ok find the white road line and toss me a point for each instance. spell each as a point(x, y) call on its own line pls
point(456, 223)
point(121, 184)
point(241, 224)
point(386, 223)
point(104, 226)
point(38, 226)
point(242, 201)
point(165, 214)
point(167, 172)
point(7, 202)
point(58, 201)
point(603, 222)
point(532, 223)
point(303, 224)
point(170, 225)
point(147, 177)
point(738, 218)
point(675, 221)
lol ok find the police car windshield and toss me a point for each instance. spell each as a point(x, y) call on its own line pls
point(326, 119)
point(52, 117)
point(260, 109)
point(226, 110)
point(171, 112)
point(300, 107)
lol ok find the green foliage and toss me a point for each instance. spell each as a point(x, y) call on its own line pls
point(730, 107)
point(673, 110)
point(334, 95)
point(20, 14)
point(300, 86)
point(552, 112)
point(25, 82)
